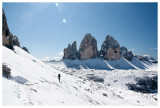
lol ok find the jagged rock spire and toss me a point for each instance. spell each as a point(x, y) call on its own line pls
point(110, 48)
point(71, 52)
point(88, 47)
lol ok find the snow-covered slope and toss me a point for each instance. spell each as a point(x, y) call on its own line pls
point(121, 63)
point(135, 61)
point(146, 63)
point(78, 64)
point(35, 83)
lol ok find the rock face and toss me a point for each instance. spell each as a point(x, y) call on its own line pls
point(142, 58)
point(6, 71)
point(6, 31)
point(139, 57)
point(9, 40)
point(146, 58)
point(145, 85)
point(110, 49)
point(126, 54)
point(25, 49)
point(14, 40)
point(71, 52)
point(88, 48)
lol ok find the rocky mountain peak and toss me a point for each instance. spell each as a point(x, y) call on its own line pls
point(9, 40)
point(110, 48)
point(71, 52)
point(88, 47)
point(111, 42)
point(125, 53)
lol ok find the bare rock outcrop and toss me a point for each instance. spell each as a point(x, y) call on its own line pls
point(143, 58)
point(14, 40)
point(126, 54)
point(145, 85)
point(9, 40)
point(5, 28)
point(88, 47)
point(5, 31)
point(6, 71)
point(71, 52)
point(110, 49)
point(25, 49)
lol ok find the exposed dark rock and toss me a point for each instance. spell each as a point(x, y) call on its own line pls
point(25, 49)
point(115, 80)
point(52, 60)
point(146, 58)
point(110, 49)
point(139, 57)
point(152, 58)
point(104, 94)
point(142, 58)
point(74, 53)
point(9, 40)
point(145, 85)
point(95, 78)
point(71, 52)
point(6, 71)
point(126, 54)
point(88, 47)
point(6, 31)
point(34, 60)
point(155, 61)
point(14, 41)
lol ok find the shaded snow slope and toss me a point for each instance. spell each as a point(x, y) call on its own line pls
point(91, 63)
point(146, 63)
point(135, 61)
point(35, 83)
point(121, 63)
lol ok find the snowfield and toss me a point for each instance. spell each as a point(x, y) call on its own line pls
point(86, 82)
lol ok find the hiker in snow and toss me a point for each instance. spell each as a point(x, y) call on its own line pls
point(59, 76)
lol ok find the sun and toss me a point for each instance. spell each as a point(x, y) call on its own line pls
point(64, 20)
point(57, 5)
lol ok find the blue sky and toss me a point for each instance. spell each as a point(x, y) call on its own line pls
point(47, 28)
